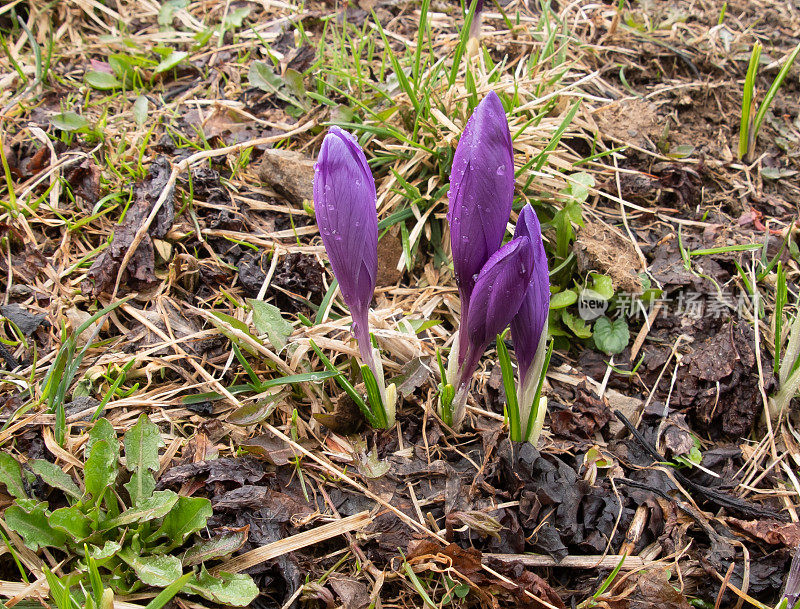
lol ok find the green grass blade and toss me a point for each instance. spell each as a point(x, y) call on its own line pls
point(773, 90)
point(462, 42)
point(323, 306)
point(306, 377)
point(781, 294)
point(747, 101)
point(535, 408)
point(416, 583)
point(542, 158)
point(512, 403)
point(611, 577)
point(422, 30)
point(346, 386)
point(169, 592)
point(746, 247)
point(377, 410)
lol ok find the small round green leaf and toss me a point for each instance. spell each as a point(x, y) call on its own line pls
point(611, 336)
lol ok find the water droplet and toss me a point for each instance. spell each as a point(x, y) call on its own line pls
point(338, 237)
point(331, 207)
point(357, 224)
point(501, 170)
point(464, 238)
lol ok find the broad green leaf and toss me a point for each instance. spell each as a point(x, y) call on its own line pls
point(262, 75)
point(103, 81)
point(222, 321)
point(251, 414)
point(188, 515)
point(681, 151)
point(109, 549)
point(267, 320)
point(148, 509)
point(140, 108)
point(100, 471)
point(563, 299)
point(578, 326)
point(611, 336)
point(216, 547)
point(140, 486)
point(55, 477)
point(102, 430)
point(168, 9)
point(420, 325)
point(158, 571)
point(603, 285)
point(227, 589)
point(574, 212)
point(34, 527)
point(142, 442)
point(170, 61)
point(236, 16)
point(72, 521)
point(294, 83)
point(579, 185)
point(304, 377)
point(68, 121)
point(11, 475)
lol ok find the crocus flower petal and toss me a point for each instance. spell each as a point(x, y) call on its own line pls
point(498, 294)
point(529, 323)
point(791, 590)
point(481, 192)
point(475, 26)
point(345, 207)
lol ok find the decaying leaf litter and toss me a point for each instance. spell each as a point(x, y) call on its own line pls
point(106, 106)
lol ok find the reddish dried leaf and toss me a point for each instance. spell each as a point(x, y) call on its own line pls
point(774, 532)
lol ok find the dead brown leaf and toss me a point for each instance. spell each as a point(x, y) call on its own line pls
point(774, 532)
point(139, 273)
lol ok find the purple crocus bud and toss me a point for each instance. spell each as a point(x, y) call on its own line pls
point(481, 195)
point(791, 588)
point(345, 207)
point(498, 293)
point(528, 326)
point(477, 19)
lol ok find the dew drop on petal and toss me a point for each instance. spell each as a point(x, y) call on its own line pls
point(501, 170)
